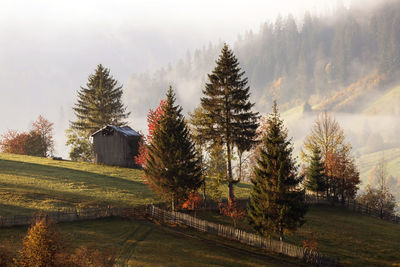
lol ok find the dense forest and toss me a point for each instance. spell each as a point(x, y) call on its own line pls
point(353, 51)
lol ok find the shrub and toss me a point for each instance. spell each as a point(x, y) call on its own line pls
point(40, 245)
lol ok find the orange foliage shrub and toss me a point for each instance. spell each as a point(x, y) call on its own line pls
point(40, 245)
point(193, 201)
point(232, 210)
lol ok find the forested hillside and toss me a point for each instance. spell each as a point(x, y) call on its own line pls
point(347, 62)
point(335, 59)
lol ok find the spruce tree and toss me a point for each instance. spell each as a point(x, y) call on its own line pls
point(315, 173)
point(229, 119)
point(172, 167)
point(98, 105)
point(276, 203)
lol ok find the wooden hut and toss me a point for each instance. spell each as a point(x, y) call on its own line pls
point(116, 146)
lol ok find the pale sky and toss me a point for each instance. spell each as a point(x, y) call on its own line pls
point(48, 48)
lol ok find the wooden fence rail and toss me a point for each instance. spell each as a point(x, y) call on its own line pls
point(356, 207)
point(75, 215)
point(254, 240)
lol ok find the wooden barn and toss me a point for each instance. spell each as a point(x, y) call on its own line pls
point(116, 146)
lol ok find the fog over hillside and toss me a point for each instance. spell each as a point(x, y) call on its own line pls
point(337, 61)
point(48, 48)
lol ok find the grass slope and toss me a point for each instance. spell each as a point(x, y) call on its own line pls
point(387, 104)
point(29, 184)
point(352, 238)
point(367, 161)
point(140, 243)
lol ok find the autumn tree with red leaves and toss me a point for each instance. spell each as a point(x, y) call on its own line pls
point(44, 129)
point(37, 142)
point(14, 142)
point(342, 176)
point(152, 121)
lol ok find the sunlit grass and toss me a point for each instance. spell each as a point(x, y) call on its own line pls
point(352, 238)
point(29, 184)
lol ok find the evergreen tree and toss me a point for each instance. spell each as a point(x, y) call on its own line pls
point(276, 203)
point(315, 173)
point(228, 109)
point(98, 105)
point(172, 166)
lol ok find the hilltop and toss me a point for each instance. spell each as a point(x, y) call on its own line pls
point(29, 184)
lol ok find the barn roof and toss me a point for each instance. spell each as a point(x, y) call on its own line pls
point(125, 130)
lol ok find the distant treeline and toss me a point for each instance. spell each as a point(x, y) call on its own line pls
point(293, 62)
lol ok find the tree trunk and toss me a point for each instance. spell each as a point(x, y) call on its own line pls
point(173, 204)
point(281, 238)
point(204, 192)
point(229, 172)
point(240, 165)
point(327, 187)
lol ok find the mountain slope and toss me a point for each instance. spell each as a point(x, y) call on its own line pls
point(386, 105)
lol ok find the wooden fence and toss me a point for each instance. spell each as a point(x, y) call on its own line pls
point(76, 215)
point(254, 240)
point(356, 207)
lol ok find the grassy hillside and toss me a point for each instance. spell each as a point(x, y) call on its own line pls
point(352, 238)
point(140, 243)
point(387, 104)
point(392, 159)
point(29, 184)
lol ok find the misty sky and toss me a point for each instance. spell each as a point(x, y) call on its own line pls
point(48, 48)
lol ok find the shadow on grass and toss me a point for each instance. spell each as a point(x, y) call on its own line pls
point(35, 170)
point(65, 185)
point(11, 210)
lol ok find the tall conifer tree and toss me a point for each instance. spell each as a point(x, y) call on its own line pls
point(172, 166)
point(98, 105)
point(227, 108)
point(315, 173)
point(276, 203)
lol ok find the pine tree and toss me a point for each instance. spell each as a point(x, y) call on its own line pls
point(315, 173)
point(98, 105)
point(172, 166)
point(276, 203)
point(228, 109)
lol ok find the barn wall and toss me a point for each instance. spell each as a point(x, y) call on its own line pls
point(114, 149)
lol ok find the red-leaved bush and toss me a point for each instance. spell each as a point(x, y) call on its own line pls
point(232, 209)
point(193, 201)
